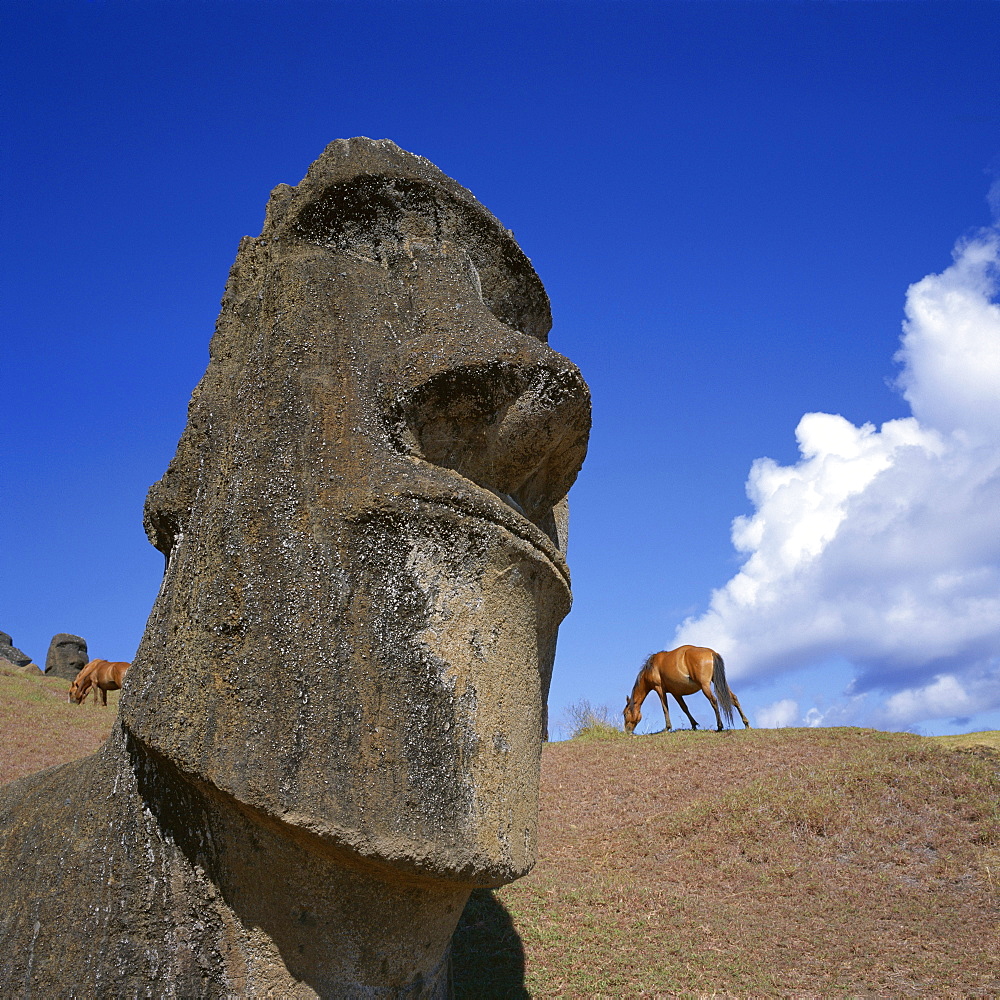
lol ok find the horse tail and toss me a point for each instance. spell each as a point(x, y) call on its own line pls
point(722, 691)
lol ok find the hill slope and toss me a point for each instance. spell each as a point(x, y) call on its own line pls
point(39, 728)
point(784, 863)
point(794, 863)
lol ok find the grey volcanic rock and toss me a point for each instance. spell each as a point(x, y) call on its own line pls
point(14, 656)
point(331, 730)
point(66, 657)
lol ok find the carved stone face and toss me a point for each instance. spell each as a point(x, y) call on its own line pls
point(365, 526)
point(67, 656)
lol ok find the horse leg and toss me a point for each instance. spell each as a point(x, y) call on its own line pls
point(736, 702)
point(680, 701)
point(715, 704)
point(666, 711)
point(104, 698)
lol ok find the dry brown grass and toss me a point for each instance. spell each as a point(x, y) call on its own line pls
point(793, 863)
point(769, 863)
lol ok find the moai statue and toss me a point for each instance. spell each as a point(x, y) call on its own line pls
point(13, 657)
point(66, 657)
point(332, 729)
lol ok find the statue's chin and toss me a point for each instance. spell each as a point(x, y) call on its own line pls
point(395, 857)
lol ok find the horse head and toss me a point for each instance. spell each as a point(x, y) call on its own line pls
point(632, 715)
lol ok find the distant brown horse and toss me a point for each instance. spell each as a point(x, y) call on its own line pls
point(679, 672)
point(100, 675)
point(82, 684)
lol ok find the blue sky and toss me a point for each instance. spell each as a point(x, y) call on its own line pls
point(727, 204)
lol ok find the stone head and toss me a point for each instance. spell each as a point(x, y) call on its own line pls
point(12, 655)
point(365, 527)
point(67, 655)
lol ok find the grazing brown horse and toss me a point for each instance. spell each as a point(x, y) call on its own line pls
point(82, 684)
point(100, 675)
point(679, 672)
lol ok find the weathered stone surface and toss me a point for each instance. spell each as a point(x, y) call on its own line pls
point(331, 730)
point(66, 657)
point(14, 656)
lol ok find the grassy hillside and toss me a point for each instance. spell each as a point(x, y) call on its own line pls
point(40, 728)
point(794, 863)
point(770, 863)
point(970, 741)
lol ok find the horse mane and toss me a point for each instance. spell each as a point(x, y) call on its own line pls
point(648, 660)
point(638, 676)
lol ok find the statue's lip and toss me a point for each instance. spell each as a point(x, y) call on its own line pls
point(517, 525)
point(469, 500)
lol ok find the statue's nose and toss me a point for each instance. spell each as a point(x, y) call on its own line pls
point(519, 430)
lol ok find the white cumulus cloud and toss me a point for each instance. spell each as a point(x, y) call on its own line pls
point(882, 545)
point(778, 715)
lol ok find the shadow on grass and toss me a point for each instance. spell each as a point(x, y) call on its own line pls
point(487, 954)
